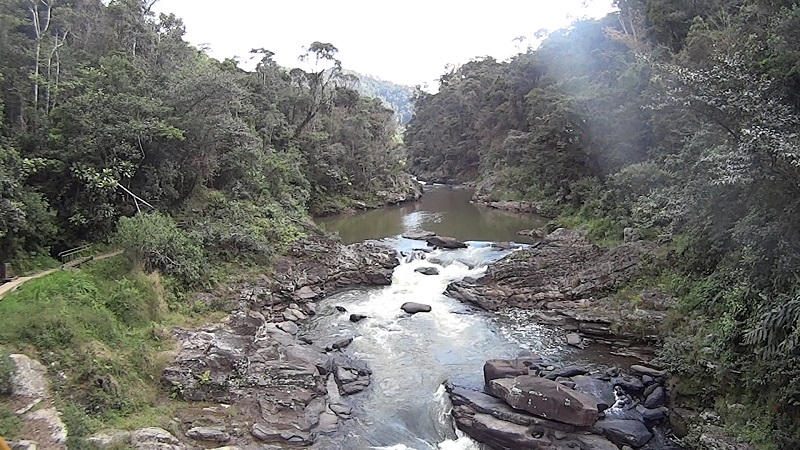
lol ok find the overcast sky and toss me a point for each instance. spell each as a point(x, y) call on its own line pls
point(408, 42)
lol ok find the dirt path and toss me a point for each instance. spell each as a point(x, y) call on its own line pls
point(17, 282)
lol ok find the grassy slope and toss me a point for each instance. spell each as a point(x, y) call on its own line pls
point(104, 332)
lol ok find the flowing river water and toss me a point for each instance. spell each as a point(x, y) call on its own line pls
point(410, 356)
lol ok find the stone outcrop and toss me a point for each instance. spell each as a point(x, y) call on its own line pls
point(403, 189)
point(564, 266)
point(31, 399)
point(564, 277)
point(528, 403)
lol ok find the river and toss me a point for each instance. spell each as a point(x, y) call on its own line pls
point(405, 406)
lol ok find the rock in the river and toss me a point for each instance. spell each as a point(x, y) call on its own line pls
point(445, 242)
point(428, 270)
point(656, 398)
point(357, 317)
point(622, 432)
point(340, 344)
point(490, 420)
point(351, 376)
point(504, 368)
point(289, 327)
point(574, 339)
point(341, 309)
point(631, 385)
point(546, 398)
point(209, 434)
point(413, 308)
point(652, 415)
point(418, 235)
point(566, 372)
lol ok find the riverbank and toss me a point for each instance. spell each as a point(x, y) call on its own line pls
point(193, 367)
point(404, 188)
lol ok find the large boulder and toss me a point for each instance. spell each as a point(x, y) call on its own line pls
point(445, 242)
point(625, 432)
point(504, 368)
point(427, 270)
point(491, 421)
point(546, 398)
point(413, 308)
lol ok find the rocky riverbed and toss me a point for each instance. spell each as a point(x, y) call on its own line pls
point(530, 403)
point(567, 281)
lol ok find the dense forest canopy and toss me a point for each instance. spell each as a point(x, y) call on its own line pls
point(102, 101)
point(674, 116)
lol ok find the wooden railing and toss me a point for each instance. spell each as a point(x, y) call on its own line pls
point(67, 256)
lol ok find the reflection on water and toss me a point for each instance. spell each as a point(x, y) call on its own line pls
point(444, 210)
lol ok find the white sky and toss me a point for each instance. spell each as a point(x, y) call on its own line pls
point(407, 42)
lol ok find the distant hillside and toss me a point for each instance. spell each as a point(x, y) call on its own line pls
point(394, 96)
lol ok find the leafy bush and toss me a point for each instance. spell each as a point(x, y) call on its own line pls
point(156, 242)
point(240, 230)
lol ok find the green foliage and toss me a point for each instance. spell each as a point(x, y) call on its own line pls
point(9, 421)
point(678, 118)
point(7, 369)
point(127, 114)
point(155, 241)
point(33, 261)
point(104, 339)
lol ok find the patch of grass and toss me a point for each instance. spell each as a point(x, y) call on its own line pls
point(6, 372)
point(105, 328)
point(602, 231)
point(9, 422)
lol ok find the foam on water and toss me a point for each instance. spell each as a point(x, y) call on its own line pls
point(406, 406)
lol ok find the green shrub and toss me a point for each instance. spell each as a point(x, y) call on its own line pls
point(155, 241)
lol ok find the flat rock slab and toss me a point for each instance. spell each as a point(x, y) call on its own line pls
point(644, 370)
point(546, 398)
point(413, 308)
point(209, 434)
point(418, 235)
point(504, 368)
point(445, 242)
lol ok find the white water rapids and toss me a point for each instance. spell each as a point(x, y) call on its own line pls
point(405, 407)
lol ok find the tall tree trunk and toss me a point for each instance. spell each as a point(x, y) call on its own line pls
point(40, 29)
